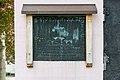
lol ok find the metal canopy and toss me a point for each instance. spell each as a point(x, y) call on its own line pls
point(59, 9)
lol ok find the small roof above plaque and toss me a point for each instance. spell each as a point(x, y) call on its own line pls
point(59, 9)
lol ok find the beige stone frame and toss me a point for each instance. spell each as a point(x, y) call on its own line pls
point(29, 41)
point(89, 40)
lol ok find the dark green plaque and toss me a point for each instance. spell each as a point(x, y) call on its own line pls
point(59, 38)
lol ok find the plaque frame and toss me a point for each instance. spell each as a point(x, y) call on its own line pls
point(73, 11)
point(29, 41)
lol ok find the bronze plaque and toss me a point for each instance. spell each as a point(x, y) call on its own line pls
point(59, 38)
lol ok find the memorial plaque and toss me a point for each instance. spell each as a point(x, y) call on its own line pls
point(59, 38)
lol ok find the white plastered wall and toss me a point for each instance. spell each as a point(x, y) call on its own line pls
point(75, 70)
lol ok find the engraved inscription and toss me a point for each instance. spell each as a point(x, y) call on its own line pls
point(59, 38)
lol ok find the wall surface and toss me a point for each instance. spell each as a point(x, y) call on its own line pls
point(71, 70)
